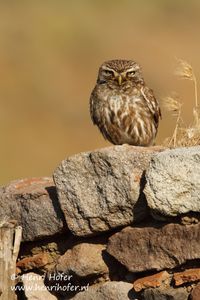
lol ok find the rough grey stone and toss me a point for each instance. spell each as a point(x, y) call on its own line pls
point(155, 248)
point(173, 182)
point(165, 294)
point(34, 287)
point(101, 190)
point(33, 204)
point(108, 291)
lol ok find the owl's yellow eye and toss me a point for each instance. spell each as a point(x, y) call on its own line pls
point(131, 73)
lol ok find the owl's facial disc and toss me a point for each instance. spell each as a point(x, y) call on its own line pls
point(109, 74)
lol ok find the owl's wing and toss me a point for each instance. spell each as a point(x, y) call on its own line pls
point(93, 113)
point(152, 103)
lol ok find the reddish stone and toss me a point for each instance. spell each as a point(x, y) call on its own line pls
point(30, 184)
point(190, 275)
point(34, 262)
point(152, 281)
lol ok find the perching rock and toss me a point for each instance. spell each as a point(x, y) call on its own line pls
point(155, 248)
point(113, 290)
point(173, 182)
point(33, 204)
point(83, 260)
point(34, 287)
point(101, 190)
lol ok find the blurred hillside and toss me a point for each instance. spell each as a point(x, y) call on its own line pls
point(49, 56)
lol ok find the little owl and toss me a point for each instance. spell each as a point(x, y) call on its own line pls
point(122, 106)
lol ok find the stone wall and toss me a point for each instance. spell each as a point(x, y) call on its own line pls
point(116, 223)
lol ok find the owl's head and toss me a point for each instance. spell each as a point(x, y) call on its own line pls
point(119, 72)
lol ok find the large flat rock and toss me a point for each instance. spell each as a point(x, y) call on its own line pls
point(101, 190)
point(155, 247)
point(33, 204)
point(173, 182)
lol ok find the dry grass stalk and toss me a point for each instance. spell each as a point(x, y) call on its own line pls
point(182, 135)
point(173, 104)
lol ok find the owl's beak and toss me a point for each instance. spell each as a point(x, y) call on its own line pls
point(119, 79)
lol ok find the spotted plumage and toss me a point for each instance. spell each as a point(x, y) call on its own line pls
point(122, 106)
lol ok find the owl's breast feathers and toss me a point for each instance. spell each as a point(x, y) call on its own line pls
point(101, 95)
point(125, 116)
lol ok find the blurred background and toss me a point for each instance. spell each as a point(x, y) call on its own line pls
point(50, 52)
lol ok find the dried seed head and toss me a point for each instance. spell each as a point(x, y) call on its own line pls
point(184, 70)
point(173, 104)
point(184, 136)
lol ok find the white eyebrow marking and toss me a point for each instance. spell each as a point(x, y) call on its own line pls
point(107, 68)
point(134, 68)
point(130, 70)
